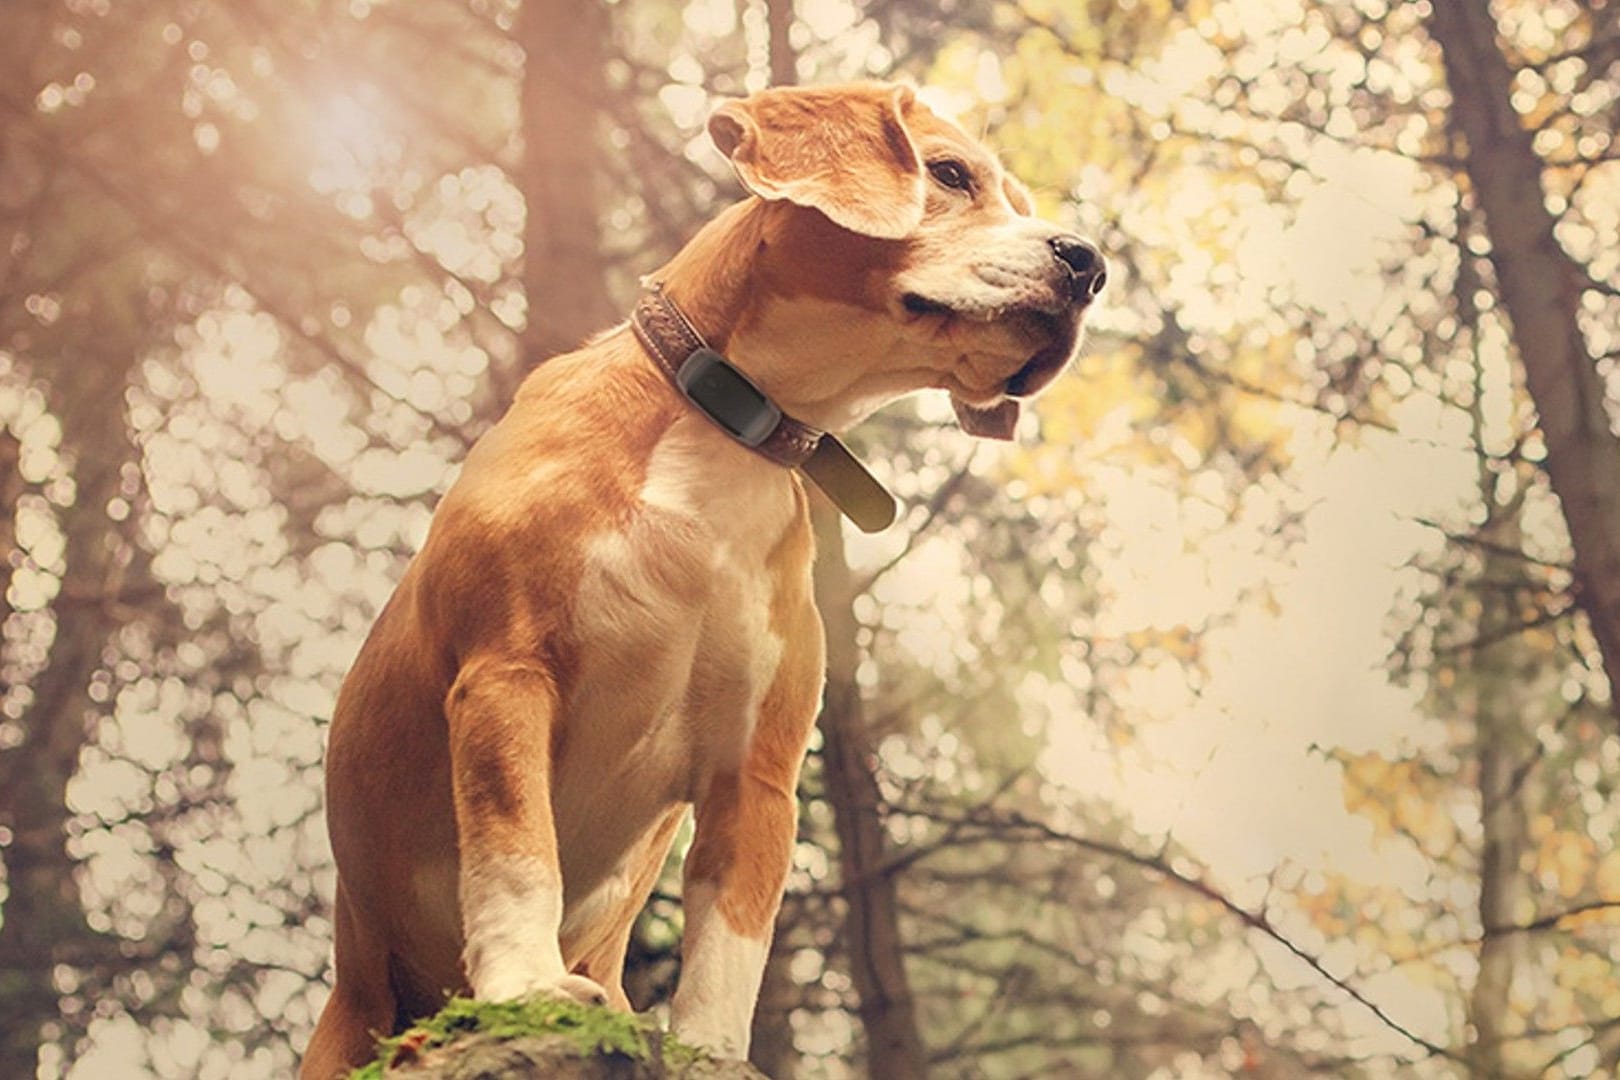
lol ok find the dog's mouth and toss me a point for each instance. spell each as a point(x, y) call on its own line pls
point(918, 304)
point(1057, 330)
point(1039, 370)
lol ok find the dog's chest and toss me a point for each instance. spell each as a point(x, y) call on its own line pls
point(677, 638)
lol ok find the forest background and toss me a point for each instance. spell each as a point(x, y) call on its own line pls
point(1248, 717)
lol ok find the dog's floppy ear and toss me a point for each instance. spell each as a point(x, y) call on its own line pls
point(987, 422)
point(843, 150)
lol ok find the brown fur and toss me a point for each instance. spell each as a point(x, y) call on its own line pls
point(575, 569)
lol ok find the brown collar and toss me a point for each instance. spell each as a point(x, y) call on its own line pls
point(671, 340)
point(665, 331)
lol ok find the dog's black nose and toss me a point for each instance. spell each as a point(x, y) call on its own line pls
point(1088, 270)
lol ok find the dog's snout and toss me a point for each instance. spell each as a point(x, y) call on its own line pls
point(1088, 271)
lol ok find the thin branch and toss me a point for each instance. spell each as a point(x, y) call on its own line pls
point(1551, 920)
point(1470, 540)
point(1597, 1031)
point(1485, 640)
point(1253, 389)
point(1255, 920)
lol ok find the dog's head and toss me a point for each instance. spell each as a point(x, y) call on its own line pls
point(898, 254)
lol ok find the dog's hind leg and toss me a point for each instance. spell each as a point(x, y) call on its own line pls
point(733, 885)
point(745, 824)
point(600, 954)
point(361, 1008)
point(501, 716)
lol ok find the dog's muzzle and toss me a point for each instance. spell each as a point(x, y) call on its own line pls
point(1086, 272)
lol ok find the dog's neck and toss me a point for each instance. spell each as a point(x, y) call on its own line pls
point(666, 333)
point(710, 277)
point(795, 339)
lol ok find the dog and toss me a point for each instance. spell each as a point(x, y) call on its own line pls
point(611, 619)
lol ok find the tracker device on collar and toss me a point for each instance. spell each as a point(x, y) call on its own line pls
point(743, 411)
point(724, 395)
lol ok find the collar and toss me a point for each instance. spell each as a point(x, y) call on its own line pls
point(681, 354)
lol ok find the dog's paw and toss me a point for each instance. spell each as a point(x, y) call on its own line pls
point(576, 988)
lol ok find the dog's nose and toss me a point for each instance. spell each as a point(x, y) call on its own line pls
point(1088, 271)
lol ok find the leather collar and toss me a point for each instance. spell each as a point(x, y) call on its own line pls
point(670, 339)
point(665, 331)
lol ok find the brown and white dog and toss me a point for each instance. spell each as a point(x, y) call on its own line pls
point(611, 617)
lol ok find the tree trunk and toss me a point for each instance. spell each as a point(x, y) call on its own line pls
point(1502, 700)
point(1501, 884)
point(44, 923)
point(1541, 291)
point(872, 924)
point(1504, 694)
point(564, 92)
point(779, 24)
point(771, 1049)
point(11, 490)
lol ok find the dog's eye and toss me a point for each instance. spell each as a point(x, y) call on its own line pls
point(948, 172)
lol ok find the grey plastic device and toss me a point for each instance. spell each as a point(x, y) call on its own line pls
point(725, 396)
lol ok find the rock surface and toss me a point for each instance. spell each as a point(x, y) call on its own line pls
point(471, 1040)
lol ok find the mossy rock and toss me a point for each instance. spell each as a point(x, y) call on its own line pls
point(541, 1037)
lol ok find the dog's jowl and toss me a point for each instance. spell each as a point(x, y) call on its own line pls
point(611, 621)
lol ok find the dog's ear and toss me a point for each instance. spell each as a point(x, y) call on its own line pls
point(843, 150)
point(987, 422)
point(1017, 194)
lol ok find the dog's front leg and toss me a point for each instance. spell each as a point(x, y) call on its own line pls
point(501, 716)
point(732, 887)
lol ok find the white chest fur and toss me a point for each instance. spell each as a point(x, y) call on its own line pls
point(675, 643)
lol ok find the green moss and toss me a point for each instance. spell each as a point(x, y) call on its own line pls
point(678, 1055)
point(593, 1030)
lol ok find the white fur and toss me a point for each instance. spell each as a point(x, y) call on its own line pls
point(674, 613)
point(679, 698)
point(720, 975)
point(511, 909)
point(1006, 267)
point(698, 472)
